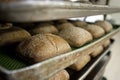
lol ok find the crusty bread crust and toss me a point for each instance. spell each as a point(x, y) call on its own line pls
point(75, 36)
point(105, 25)
point(12, 35)
point(106, 43)
point(97, 51)
point(43, 28)
point(95, 30)
point(82, 61)
point(43, 46)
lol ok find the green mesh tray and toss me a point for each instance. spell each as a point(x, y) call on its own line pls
point(10, 61)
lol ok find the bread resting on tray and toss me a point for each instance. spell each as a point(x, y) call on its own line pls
point(80, 63)
point(105, 25)
point(43, 28)
point(42, 46)
point(75, 36)
point(97, 51)
point(12, 35)
point(62, 75)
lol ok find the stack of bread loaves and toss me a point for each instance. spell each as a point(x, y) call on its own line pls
point(49, 40)
point(107, 28)
point(76, 37)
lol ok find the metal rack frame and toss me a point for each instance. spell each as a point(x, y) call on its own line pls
point(29, 11)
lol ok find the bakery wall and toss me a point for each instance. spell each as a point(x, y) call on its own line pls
point(114, 18)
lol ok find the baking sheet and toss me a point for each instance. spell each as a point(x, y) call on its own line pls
point(43, 69)
point(37, 10)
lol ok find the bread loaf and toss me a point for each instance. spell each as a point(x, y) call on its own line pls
point(62, 75)
point(105, 25)
point(95, 30)
point(79, 23)
point(75, 36)
point(12, 35)
point(97, 51)
point(64, 25)
point(43, 46)
point(106, 43)
point(82, 61)
point(61, 21)
point(43, 28)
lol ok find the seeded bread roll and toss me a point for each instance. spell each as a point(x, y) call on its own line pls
point(79, 23)
point(106, 43)
point(42, 46)
point(95, 30)
point(97, 51)
point(82, 61)
point(43, 28)
point(12, 35)
point(75, 36)
point(105, 25)
point(62, 75)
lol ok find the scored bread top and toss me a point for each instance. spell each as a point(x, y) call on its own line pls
point(43, 46)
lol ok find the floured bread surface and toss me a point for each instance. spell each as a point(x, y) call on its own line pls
point(75, 36)
point(81, 62)
point(12, 35)
point(105, 25)
point(43, 46)
point(62, 75)
point(44, 28)
point(97, 51)
point(106, 43)
point(95, 30)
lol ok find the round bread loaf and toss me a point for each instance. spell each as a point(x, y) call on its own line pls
point(43, 28)
point(75, 36)
point(95, 30)
point(79, 23)
point(62, 75)
point(12, 35)
point(97, 51)
point(105, 25)
point(106, 43)
point(82, 61)
point(42, 46)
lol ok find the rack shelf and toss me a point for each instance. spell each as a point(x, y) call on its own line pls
point(83, 74)
point(43, 70)
point(28, 11)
